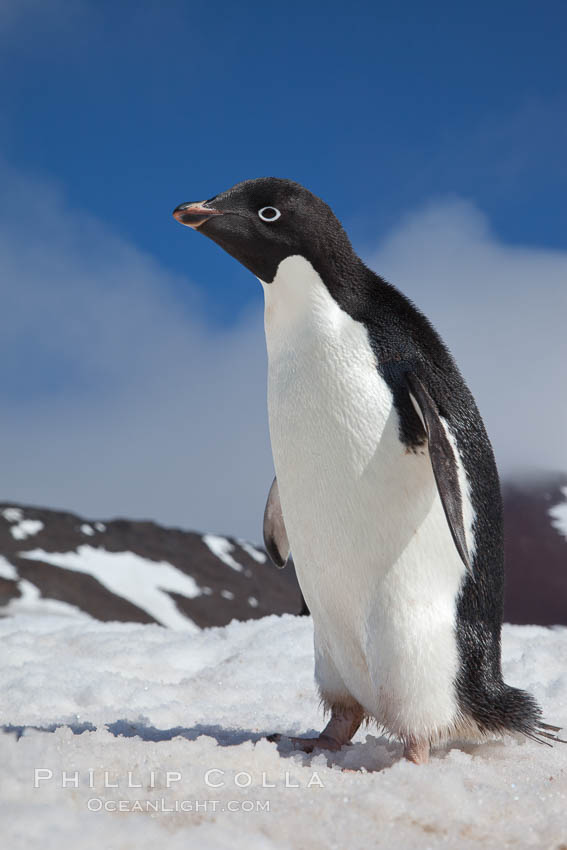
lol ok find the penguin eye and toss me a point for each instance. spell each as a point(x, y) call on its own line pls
point(269, 214)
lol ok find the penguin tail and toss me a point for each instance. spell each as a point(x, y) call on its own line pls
point(521, 713)
point(545, 730)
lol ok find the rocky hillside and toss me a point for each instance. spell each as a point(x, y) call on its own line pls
point(136, 571)
point(142, 572)
point(535, 524)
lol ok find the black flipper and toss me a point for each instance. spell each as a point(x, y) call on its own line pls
point(443, 462)
point(275, 535)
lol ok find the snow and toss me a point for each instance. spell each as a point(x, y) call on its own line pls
point(139, 580)
point(87, 529)
point(100, 526)
point(184, 715)
point(13, 514)
point(26, 528)
point(558, 514)
point(32, 602)
point(252, 601)
point(258, 555)
point(221, 547)
point(7, 570)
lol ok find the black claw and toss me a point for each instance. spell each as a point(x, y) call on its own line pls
point(275, 738)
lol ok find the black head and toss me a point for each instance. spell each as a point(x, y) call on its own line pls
point(261, 222)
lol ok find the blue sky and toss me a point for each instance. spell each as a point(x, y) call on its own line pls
point(377, 107)
point(113, 113)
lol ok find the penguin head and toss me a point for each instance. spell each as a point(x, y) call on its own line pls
point(261, 222)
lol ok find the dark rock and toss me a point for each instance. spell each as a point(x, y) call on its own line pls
point(536, 553)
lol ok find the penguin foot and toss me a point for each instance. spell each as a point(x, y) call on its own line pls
point(416, 751)
point(323, 742)
point(339, 730)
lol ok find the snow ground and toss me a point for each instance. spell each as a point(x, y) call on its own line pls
point(154, 700)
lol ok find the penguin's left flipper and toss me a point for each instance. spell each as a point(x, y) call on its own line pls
point(444, 463)
point(275, 534)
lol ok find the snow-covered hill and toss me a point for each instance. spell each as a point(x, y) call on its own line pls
point(135, 571)
point(131, 736)
point(143, 572)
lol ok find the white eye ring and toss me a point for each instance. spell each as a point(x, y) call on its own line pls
point(269, 218)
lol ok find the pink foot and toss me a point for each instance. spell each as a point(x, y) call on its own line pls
point(339, 730)
point(416, 751)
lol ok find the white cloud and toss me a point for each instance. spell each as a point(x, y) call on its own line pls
point(163, 416)
point(502, 310)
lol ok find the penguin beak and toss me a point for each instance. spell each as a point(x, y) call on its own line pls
point(194, 215)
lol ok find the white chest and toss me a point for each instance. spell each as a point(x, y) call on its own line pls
point(333, 427)
point(370, 542)
point(322, 377)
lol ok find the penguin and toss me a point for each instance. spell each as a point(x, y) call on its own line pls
point(386, 488)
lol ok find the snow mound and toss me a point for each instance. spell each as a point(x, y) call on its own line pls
point(21, 528)
point(135, 736)
point(558, 514)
